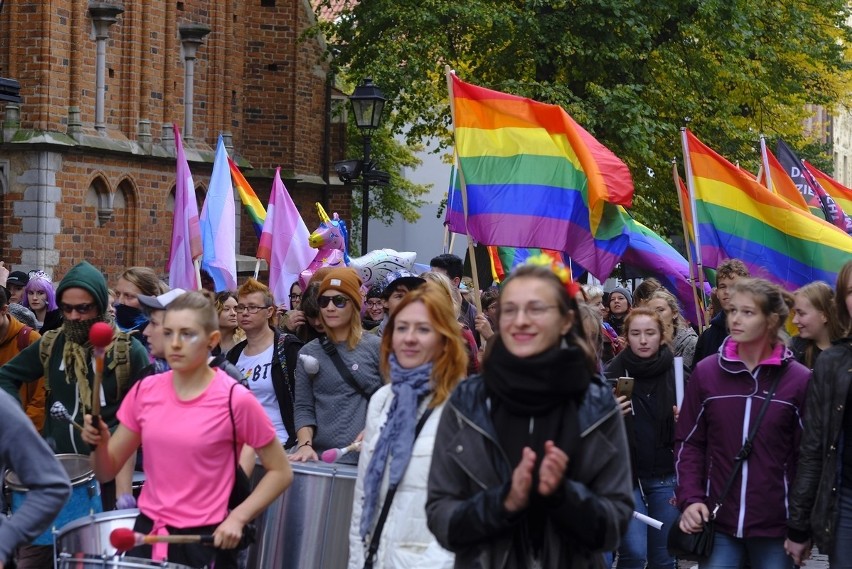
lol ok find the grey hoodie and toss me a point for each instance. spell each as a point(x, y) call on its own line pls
point(25, 452)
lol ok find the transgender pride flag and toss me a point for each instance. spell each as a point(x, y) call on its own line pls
point(218, 225)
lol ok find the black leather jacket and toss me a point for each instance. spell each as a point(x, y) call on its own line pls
point(470, 477)
point(813, 500)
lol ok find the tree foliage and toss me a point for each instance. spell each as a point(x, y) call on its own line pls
point(630, 71)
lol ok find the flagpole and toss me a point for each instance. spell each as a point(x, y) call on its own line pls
point(256, 268)
point(197, 264)
point(699, 306)
point(473, 268)
point(764, 165)
point(690, 186)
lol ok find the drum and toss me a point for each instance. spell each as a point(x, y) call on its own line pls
point(138, 483)
point(308, 525)
point(85, 493)
point(97, 562)
point(90, 534)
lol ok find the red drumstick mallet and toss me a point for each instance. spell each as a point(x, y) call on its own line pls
point(100, 336)
point(125, 539)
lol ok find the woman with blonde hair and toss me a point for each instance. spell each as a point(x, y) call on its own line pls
point(682, 337)
point(423, 358)
point(230, 332)
point(455, 296)
point(816, 317)
point(131, 284)
point(337, 373)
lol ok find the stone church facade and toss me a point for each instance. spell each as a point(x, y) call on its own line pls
point(87, 155)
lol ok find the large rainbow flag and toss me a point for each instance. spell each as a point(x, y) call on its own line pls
point(534, 178)
point(739, 218)
point(254, 208)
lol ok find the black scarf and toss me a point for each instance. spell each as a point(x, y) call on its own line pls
point(535, 399)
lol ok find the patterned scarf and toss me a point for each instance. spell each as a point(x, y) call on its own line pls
point(397, 437)
point(76, 355)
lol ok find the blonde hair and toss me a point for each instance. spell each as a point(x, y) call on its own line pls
point(201, 305)
point(450, 365)
point(821, 297)
point(145, 279)
point(772, 300)
point(445, 282)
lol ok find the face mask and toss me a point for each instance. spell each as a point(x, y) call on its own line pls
point(129, 319)
point(77, 331)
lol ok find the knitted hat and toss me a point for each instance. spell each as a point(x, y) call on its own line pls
point(24, 315)
point(374, 291)
point(85, 276)
point(624, 292)
point(346, 281)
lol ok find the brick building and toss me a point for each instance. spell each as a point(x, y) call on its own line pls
point(87, 168)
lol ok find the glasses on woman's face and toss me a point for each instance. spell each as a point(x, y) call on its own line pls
point(533, 311)
point(375, 304)
point(251, 309)
point(338, 299)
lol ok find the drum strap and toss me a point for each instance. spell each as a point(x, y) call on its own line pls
point(383, 516)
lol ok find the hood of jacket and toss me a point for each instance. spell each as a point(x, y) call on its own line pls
point(85, 276)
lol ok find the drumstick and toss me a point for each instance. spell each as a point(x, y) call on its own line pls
point(59, 412)
point(100, 336)
point(125, 539)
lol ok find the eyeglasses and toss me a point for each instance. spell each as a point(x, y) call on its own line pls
point(375, 304)
point(338, 299)
point(251, 309)
point(295, 297)
point(78, 308)
point(534, 311)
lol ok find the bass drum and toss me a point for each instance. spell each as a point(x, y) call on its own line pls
point(90, 535)
point(97, 562)
point(308, 525)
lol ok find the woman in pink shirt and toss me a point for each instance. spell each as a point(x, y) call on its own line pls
point(187, 418)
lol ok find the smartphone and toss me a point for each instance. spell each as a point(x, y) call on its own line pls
point(624, 386)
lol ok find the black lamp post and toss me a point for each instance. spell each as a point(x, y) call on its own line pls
point(367, 104)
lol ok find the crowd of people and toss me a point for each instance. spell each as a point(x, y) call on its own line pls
point(533, 424)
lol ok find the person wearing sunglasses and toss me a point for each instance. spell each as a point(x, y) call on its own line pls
point(68, 369)
point(331, 408)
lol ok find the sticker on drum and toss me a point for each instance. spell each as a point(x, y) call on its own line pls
point(85, 493)
point(86, 561)
point(90, 534)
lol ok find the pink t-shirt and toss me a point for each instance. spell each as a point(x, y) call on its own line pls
point(189, 453)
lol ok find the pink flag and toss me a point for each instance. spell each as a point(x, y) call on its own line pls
point(284, 242)
point(186, 234)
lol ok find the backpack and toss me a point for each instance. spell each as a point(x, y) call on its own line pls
point(119, 349)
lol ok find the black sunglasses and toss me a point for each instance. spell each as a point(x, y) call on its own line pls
point(338, 299)
point(78, 308)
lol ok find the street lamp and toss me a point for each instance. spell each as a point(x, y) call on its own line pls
point(368, 102)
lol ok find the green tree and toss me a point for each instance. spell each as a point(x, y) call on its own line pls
point(630, 71)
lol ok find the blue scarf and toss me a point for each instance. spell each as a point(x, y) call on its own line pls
point(397, 437)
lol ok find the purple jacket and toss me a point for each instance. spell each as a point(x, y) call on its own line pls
point(722, 400)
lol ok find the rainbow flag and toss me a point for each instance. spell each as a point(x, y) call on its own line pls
point(534, 178)
point(739, 218)
point(841, 194)
point(504, 259)
point(250, 201)
point(774, 176)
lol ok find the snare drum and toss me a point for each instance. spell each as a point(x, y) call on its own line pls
point(98, 562)
point(85, 493)
point(90, 534)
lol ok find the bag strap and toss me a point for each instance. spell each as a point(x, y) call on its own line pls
point(745, 451)
point(341, 367)
point(383, 516)
point(233, 425)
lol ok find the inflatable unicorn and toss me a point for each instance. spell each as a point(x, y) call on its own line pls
point(330, 238)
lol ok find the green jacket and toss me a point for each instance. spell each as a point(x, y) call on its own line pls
point(27, 367)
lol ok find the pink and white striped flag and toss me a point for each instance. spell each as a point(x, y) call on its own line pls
point(284, 242)
point(186, 234)
point(218, 225)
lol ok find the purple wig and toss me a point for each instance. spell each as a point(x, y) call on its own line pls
point(42, 284)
